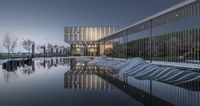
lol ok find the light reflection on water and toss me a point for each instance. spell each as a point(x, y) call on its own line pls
point(178, 95)
point(61, 81)
point(44, 82)
point(26, 69)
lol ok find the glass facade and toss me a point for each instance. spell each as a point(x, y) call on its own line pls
point(83, 38)
point(173, 36)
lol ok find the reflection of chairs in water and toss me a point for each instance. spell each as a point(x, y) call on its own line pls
point(139, 68)
point(85, 78)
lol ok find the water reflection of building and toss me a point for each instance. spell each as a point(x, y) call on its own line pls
point(85, 77)
point(49, 63)
point(13, 65)
point(177, 95)
point(13, 68)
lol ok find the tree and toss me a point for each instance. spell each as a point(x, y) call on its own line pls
point(9, 43)
point(27, 44)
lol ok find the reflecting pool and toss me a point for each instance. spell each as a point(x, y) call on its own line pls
point(63, 81)
point(58, 82)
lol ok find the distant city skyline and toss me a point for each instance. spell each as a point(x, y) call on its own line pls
point(43, 21)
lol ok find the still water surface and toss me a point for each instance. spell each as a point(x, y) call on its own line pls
point(66, 82)
point(55, 82)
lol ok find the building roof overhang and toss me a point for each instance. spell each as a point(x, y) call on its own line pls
point(177, 6)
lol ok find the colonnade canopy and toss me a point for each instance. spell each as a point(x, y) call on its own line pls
point(149, 22)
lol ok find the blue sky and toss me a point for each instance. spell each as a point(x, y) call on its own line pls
point(43, 21)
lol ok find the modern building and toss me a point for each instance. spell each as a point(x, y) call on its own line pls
point(172, 35)
point(83, 38)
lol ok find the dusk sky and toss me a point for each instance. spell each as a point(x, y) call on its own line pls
point(43, 21)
